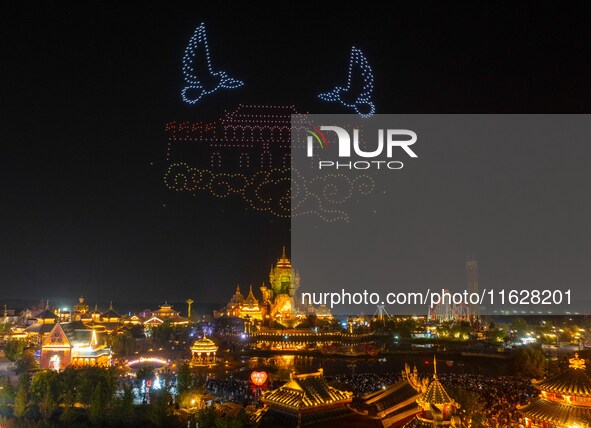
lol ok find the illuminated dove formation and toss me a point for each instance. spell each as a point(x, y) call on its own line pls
point(198, 72)
point(357, 92)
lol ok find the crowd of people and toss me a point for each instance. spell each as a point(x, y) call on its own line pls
point(230, 389)
point(500, 394)
point(365, 383)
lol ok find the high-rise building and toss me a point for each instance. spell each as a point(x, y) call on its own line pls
point(472, 278)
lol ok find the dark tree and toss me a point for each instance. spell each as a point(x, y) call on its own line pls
point(7, 394)
point(529, 361)
point(13, 349)
point(184, 379)
point(21, 400)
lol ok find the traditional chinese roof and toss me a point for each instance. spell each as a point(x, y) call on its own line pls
point(400, 396)
point(45, 315)
point(305, 392)
point(569, 382)
point(39, 328)
point(338, 416)
point(557, 414)
point(204, 345)
point(573, 381)
point(110, 314)
point(436, 394)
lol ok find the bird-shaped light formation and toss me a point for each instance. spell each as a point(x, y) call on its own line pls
point(357, 93)
point(200, 77)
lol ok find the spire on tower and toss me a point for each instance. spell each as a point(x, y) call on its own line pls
point(434, 367)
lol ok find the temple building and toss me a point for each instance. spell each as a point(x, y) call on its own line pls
point(165, 314)
point(73, 343)
point(396, 404)
point(203, 352)
point(307, 400)
point(109, 320)
point(564, 400)
point(44, 323)
point(242, 307)
point(279, 300)
point(81, 311)
point(437, 408)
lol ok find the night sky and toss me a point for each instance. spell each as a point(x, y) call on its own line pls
point(87, 90)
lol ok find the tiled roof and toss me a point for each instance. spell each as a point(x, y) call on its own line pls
point(306, 391)
point(541, 409)
point(436, 394)
point(570, 382)
point(46, 314)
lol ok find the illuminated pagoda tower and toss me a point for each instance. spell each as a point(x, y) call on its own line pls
point(437, 408)
point(564, 400)
point(279, 299)
point(284, 281)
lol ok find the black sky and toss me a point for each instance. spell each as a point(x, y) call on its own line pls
point(87, 89)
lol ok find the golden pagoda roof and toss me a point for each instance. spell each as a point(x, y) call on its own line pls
point(436, 393)
point(237, 297)
point(251, 300)
point(204, 345)
point(558, 414)
point(305, 391)
point(283, 261)
point(573, 381)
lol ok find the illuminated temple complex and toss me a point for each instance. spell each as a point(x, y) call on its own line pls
point(79, 337)
point(278, 302)
point(309, 400)
point(564, 400)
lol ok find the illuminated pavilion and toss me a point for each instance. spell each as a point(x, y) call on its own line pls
point(564, 400)
point(203, 352)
